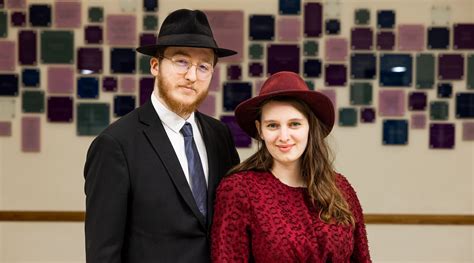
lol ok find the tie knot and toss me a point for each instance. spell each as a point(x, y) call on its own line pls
point(187, 130)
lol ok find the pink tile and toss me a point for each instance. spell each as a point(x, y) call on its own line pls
point(128, 84)
point(228, 30)
point(121, 30)
point(16, 4)
point(30, 134)
point(60, 80)
point(392, 103)
point(67, 14)
point(468, 131)
point(336, 49)
point(5, 129)
point(289, 29)
point(7, 56)
point(208, 106)
point(215, 81)
point(411, 37)
point(418, 121)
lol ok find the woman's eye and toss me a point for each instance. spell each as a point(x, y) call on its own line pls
point(295, 124)
point(272, 125)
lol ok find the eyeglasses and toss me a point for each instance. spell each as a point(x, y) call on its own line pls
point(182, 65)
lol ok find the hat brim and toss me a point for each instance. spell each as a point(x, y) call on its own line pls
point(185, 40)
point(246, 112)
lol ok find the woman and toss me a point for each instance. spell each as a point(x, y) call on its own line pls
point(285, 203)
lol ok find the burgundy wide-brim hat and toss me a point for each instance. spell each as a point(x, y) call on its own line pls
point(287, 84)
point(186, 28)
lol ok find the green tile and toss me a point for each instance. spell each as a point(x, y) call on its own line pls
point(3, 24)
point(57, 47)
point(362, 16)
point(310, 48)
point(361, 93)
point(347, 117)
point(92, 118)
point(256, 51)
point(96, 14)
point(144, 64)
point(150, 22)
point(425, 71)
point(439, 110)
point(32, 101)
point(470, 71)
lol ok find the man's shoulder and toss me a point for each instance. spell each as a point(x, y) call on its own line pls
point(210, 120)
point(125, 126)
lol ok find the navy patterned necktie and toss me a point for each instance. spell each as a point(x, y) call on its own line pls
point(196, 173)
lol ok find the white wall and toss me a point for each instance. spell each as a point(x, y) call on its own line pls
point(401, 179)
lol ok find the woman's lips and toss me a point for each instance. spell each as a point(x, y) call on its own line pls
point(285, 148)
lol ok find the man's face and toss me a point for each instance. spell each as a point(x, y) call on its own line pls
point(182, 90)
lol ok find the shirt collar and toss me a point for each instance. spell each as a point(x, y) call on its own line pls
point(168, 117)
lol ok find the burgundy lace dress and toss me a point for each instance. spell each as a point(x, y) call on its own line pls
point(259, 219)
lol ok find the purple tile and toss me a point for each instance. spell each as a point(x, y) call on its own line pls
point(463, 36)
point(93, 34)
point(31, 134)
point(121, 29)
point(450, 66)
point(147, 39)
point(367, 115)
point(89, 60)
point(146, 89)
point(60, 109)
point(234, 72)
point(18, 19)
point(27, 47)
point(417, 101)
point(313, 19)
point(468, 131)
point(241, 139)
point(109, 84)
point(208, 106)
point(442, 136)
point(335, 75)
point(361, 38)
point(5, 129)
point(283, 58)
point(385, 40)
point(255, 69)
point(418, 121)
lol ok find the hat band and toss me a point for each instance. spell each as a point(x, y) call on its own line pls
point(187, 40)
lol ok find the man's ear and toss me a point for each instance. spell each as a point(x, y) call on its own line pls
point(154, 66)
point(257, 124)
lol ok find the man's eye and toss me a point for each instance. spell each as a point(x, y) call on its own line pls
point(181, 62)
point(204, 67)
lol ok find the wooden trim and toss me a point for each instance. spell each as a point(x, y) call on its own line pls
point(386, 219)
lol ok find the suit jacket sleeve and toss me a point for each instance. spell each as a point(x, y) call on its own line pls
point(106, 189)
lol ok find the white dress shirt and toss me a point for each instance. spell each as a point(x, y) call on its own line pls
point(173, 123)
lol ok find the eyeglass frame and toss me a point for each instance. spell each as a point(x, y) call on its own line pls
point(175, 66)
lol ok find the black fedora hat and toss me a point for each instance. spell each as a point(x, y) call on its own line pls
point(186, 28)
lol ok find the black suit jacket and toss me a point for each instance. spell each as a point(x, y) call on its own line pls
point(139, 206)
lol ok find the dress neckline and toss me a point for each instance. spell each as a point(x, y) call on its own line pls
point(293, 188)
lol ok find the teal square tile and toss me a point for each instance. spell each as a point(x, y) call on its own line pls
point(347, 117)
point(310, 48)
point(96, 14)
point(32, 101)
point(362, 16)
point(439, 110)
point(92, 118)
point(256, 51)
point(361, 93)
point(150, 22)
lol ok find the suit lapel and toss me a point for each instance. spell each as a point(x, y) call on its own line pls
point(158, 138)
point(212, 160)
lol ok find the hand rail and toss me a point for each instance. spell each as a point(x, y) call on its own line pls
point(386, 219)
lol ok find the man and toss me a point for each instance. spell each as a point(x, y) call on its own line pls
point(151, 176)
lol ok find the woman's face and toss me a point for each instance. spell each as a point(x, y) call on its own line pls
point(284, 129)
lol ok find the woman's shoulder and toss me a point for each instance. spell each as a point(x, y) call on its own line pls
point(241, 179)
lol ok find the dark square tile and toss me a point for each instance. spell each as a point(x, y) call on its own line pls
point(313, 19)
point(396, 70)
point(361, 38)
point(463, 36)
point(147, 39)
point(18, 19)
point(363, 66)
point(89, 60)
point(40, 15)
point(417, 101)
point(146, 89)
point(333, 26)
point(30, 77)
point(438, 38)
point(385, 40)
point(109, 84)
point(312, 68)
point(335, 75)
point(93, 34)
point(27, 47)
point(445, 90)
point(255, 69)
point(123, 60)
point(289, 7)
point(442, 136)
point(262, 27)
point(234, 72)
point(450, 66)
point(395, 132)
point(385, 19)
point(464, 105)
point(8, 84)
point(367, 115)
point(60, 109)
point(123, 105)
point(283, 57)
point(88, 88)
